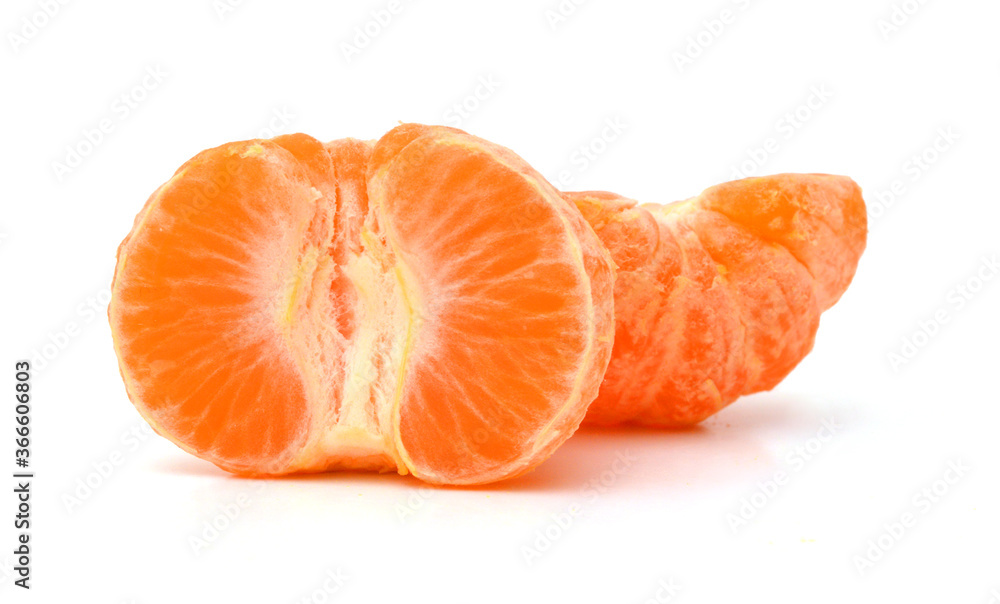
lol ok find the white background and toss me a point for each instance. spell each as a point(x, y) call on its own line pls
point(667, 516)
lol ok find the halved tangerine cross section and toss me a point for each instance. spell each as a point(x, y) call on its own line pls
point(290, 306)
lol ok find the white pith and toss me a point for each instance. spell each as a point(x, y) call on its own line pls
point(359, 434)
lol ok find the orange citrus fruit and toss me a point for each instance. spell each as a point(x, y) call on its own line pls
point(720, 295)
point(288, 306)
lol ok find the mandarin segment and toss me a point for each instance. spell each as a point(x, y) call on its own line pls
point(507, 315)
point(196, 307)
point(720, 295)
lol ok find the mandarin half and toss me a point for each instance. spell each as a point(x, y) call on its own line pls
point(286, 306)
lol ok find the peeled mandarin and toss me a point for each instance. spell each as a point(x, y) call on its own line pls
point(720, 295)
point(286, 306)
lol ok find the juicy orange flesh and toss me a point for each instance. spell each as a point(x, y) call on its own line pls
point(501, 318)
point(197, 334)
point(270, 317)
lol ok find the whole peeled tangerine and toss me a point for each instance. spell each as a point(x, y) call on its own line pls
point(429, 304)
